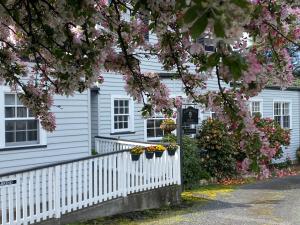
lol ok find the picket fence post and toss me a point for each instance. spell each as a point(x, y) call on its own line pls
point(57, 191)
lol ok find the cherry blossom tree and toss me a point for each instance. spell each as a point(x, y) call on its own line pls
point(70, 43)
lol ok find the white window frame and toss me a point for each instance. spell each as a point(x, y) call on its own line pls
point(261, 105)
point(42, 133)
point(290, 111)
point(131, 114)
point(211, 114)
point(155, 117)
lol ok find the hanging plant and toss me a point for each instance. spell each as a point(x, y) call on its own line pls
point(136, 152)
point(172, 148)
point(168, 125)
point(149, 151)
point(159, 150)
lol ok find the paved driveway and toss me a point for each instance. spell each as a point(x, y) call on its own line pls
point(272, 202)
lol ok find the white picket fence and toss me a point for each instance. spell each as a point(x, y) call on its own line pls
point(38, 194)
point(106, 144)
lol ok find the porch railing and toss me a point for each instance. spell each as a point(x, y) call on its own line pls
point(108, 144)
point(42, 193)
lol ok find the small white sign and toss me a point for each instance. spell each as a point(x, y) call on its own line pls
point(8, 183)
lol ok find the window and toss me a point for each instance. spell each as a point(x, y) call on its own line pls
point(153, 128)
point(21, 128)
point(122, 114)
point(255, 108)
point(282, 114)
point(207, 42)
point(213, 115)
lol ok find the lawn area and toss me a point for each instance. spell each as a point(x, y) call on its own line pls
point(191, 201)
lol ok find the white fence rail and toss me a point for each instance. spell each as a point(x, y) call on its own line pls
point(49, 192)
point(105, 144)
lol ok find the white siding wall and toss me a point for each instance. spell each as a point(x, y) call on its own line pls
point(268, 96)
point(70, 139)
point(114, 85)
point(94, 116)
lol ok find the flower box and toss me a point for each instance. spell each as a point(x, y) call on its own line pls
point(149, 155)
point(149, 152)
point(172, 148)
point(135, 157)
point(159, 150)
point(136, 153)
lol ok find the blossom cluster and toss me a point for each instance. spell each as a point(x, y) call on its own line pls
point(73, 43)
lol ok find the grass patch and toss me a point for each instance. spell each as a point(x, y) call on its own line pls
point(191, 201)
point(209, 192)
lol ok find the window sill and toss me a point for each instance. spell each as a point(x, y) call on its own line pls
point(13, 148)
point(122, 132)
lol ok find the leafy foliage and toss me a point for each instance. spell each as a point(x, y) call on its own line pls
point(218, 152)
point(192, 169)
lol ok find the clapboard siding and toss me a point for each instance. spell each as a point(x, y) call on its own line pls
point(70, 139)
point(114, 85)
point(94, 116)
point(268, 96)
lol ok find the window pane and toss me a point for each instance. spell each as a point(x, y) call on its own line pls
point(116, 126)
point(119, 118)
point(9, 112)
point(9, 125)
point(126, 118)
point(21, 112)
point(121, 110)
point(32, 136)
point(9, 99)
point(158, 123)
point(121, 125)
point(255, 107)
point(150, 123)
point(30, 113)
point(126, 111)
point(116, 111)
point(286, 122)
point(277, 108)
point(126, 125)
point(286, 110)
point(32, 124)
point(20, 136)
point(9, 137)
point(121, 103)
point(116, 103)
point(150, 133)
point(19, 102)
point(159, 132)
point(126, 103)
point(277, 119)
point(21, 125)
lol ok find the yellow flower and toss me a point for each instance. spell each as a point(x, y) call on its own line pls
point(160, 148)
point(137, 150)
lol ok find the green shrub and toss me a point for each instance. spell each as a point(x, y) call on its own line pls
point(171, 138)
point(191, 167)
point(94, 152)
point(217, 149)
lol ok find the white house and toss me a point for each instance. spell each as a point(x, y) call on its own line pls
point(109, 111)
point(23, 142)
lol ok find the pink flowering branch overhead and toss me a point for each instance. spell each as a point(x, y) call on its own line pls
point(60, 47)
